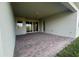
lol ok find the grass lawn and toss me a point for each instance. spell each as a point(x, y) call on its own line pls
point(71, 50)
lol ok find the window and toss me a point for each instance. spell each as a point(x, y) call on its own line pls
point(19, 24)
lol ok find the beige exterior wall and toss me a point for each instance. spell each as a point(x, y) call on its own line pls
point(63, 24)
point(1, 49)
point(7, 30)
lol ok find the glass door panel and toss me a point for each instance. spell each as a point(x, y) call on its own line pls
point(29, 26)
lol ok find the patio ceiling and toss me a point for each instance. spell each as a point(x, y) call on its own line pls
point(37, 10)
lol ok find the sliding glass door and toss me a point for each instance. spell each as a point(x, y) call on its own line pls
point(32, 26)
point(29, 26)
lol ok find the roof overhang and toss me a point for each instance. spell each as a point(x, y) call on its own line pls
point(71, 6)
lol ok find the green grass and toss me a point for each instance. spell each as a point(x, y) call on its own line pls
point(71, 50)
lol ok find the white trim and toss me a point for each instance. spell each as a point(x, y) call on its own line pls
point(71, 6)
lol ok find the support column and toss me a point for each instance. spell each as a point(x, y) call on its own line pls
point(42, 27)
point(7, 30)
point(32, 26)
point(24, 26)
point(38, 26)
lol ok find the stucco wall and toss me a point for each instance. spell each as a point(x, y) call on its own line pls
point(21, 31)
point(1, 50)
point(7, 30)
point(63, 24)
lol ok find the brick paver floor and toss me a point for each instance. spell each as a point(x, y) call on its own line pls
point(40, 45)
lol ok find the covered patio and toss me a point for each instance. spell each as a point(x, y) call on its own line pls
point(38, 29)
point(40, 44)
